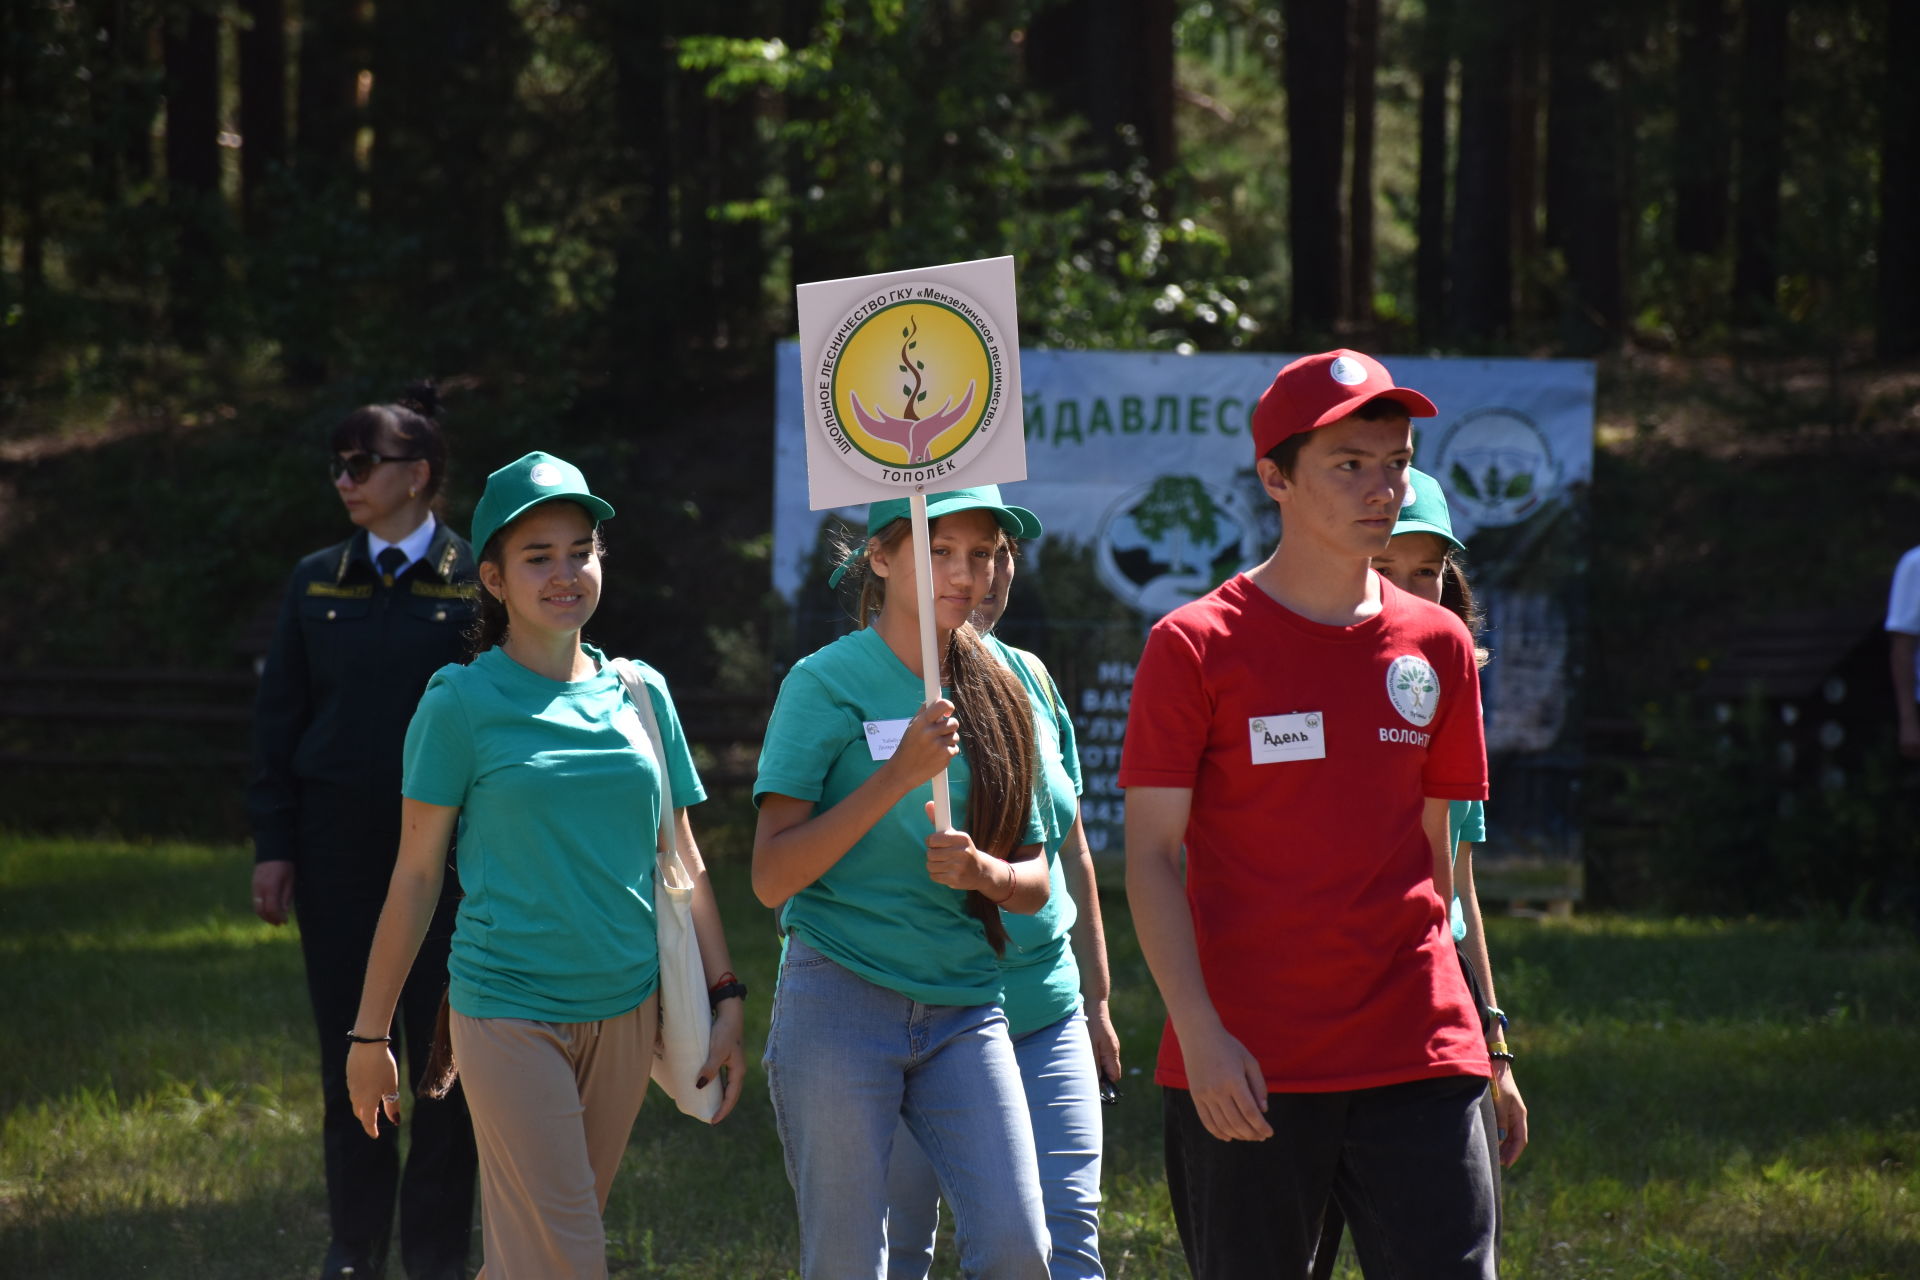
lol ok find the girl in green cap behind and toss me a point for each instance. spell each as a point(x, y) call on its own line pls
point(1421, 558)
point(888, 1002)
point(536, 752)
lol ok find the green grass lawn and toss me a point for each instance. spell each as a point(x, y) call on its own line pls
point(1710, 1099)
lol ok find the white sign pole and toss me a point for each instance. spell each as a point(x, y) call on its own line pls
point(929, 656)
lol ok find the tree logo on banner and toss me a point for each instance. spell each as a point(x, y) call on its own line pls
point(1172, 540)
point(1498, 468)
point(911, 383)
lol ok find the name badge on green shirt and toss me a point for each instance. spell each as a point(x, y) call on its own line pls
point(883, 737)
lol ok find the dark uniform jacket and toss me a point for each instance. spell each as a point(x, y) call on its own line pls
point(350, 657)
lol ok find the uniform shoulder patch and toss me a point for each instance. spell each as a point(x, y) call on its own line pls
point(334, 591)
point(444, 590)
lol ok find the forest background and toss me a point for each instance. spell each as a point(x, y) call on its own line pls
point(224, 224)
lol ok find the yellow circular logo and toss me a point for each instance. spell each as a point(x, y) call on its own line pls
point(910, 384)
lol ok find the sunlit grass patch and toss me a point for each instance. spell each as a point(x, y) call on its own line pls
point(1711, 1099)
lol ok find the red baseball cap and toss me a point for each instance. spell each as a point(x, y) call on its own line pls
point(1316, 390)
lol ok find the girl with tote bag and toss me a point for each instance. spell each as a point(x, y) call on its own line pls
point(537, 752)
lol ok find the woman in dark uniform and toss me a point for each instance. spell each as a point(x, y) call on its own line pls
point(364, 624)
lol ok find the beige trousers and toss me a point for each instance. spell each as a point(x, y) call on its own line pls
point(552, 1104)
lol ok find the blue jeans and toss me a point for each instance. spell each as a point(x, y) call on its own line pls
point(1063, 1103)
point(846, 1063)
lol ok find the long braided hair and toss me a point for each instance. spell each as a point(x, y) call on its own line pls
point(996, 731)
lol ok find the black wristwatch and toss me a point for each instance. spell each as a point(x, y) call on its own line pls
point(726, 991)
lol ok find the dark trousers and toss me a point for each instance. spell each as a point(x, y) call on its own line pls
point(436, 1188)
point(1335, 1225)
point(1407, 1164)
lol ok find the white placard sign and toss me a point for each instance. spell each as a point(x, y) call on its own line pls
point(911, 382)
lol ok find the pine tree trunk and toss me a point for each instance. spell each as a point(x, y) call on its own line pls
point(192, 56)
point(1315, 56)
point(1430, 231)
point(1589, 212)
point(1523, 148)
point(1110, 62)
point(331, 36)
point(107, 104)
point(263, 103)
point(1897, 322)
point(443, 97)
point(1700, 177)
point(643, 84)
point(1360, 240)
point(1762, 158)
point(1481, 267)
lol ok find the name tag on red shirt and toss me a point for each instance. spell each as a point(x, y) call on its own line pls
point(1277, 739)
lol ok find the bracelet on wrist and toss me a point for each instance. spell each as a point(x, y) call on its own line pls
point(354, 1037)
point(723, 980)
point(1497, 1049)
point(1013, 883)
point(735, 990)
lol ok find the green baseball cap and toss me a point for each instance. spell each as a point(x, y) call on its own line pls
point(1018, 521)
point(526, 483)
point(1424, 509)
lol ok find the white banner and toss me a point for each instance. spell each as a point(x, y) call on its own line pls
point(1141, 467)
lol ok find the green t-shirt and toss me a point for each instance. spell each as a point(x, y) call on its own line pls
point(875, 911)
point(559, 799)
point(1466, 820)
point(1042, 980)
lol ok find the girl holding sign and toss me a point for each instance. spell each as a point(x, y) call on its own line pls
point(888, 1002)
point(1055, 999)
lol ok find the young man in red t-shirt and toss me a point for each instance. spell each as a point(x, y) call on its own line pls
point(1298, 733)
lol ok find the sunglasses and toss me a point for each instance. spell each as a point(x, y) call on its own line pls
point(361, 465)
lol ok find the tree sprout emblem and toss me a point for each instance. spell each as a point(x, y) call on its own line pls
point(1492, 486)
point(909, 430)
point(1416, 684)
point(1411, 684)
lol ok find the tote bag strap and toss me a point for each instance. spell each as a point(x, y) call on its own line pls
point(643, 703)
point(1041, 676)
